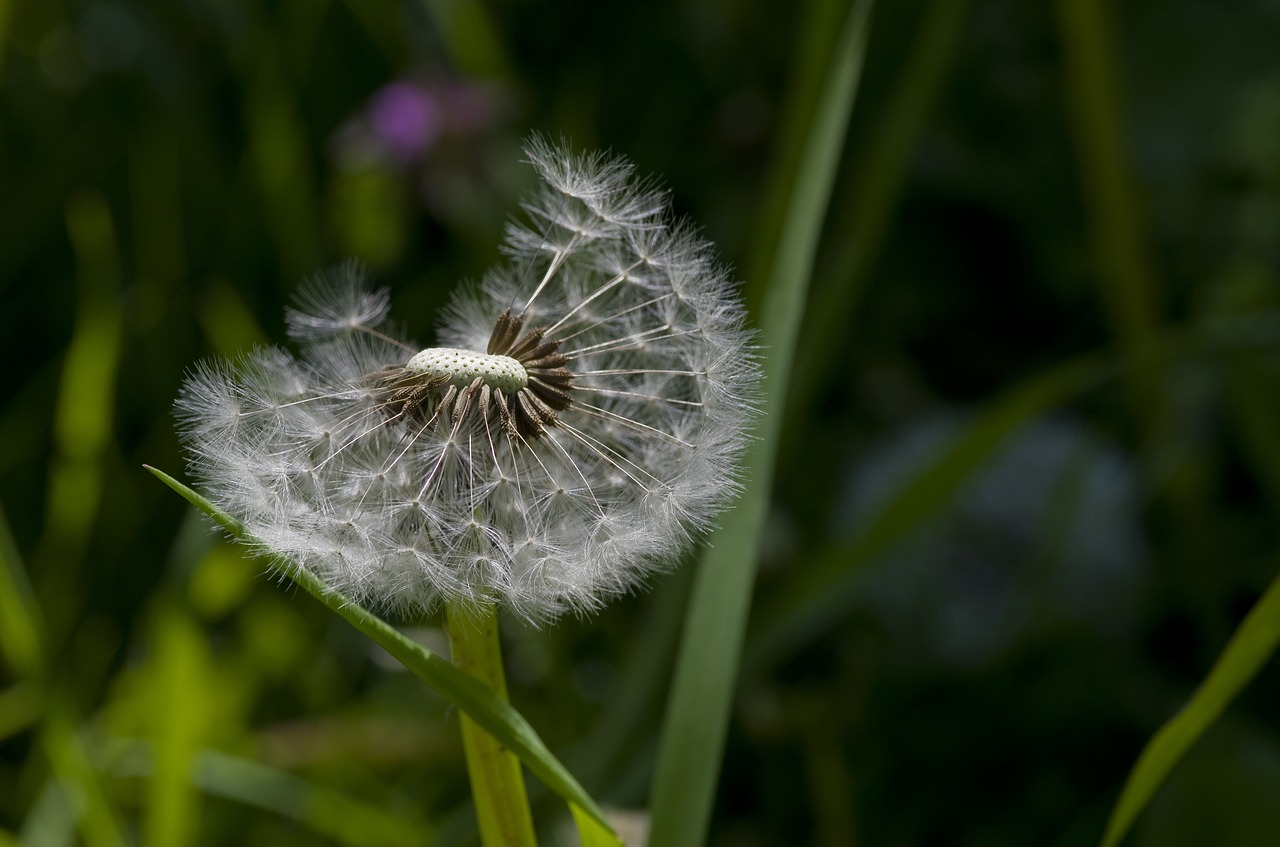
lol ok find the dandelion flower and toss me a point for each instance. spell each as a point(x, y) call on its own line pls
point(578, 426)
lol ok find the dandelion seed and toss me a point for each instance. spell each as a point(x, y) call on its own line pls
point(579, 424)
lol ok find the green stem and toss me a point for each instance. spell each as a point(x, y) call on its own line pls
point(497, 784)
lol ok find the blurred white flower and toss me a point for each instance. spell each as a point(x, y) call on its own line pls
point(578, 427)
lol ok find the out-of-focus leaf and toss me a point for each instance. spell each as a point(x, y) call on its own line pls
point(20, 619)
point(1249, 649)
point(64, 745)
point(180, 694)
point(6, 9)
point(21, 706)
point(1126, 277)
point(86, 402)
point(281, 152)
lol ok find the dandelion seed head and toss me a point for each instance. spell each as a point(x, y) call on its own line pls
point(458, 367)
point(578, 425)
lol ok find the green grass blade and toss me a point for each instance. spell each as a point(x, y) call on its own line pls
point(1247, 651)
point(498, 717)
point(878, 181)
point(180, 690)
point(697, 712)
point(21, 624)
point(497, 783)
point(1252, 393)
point(1129, 288)
point(82, 425)
point(6, 10)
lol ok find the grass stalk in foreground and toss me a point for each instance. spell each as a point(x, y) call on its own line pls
point(497, 784)
point(697, 714)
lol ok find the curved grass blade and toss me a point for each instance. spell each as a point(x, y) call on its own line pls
point(1247, 651)
point(499, 718)
point(1252, 392)
point(697, 713)
point(21, 623)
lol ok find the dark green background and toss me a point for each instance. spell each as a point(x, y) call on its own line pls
point(169, 171)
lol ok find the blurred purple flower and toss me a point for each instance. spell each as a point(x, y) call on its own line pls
point(436, 143)
point(406, 119)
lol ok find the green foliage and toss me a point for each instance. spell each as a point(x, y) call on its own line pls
point(1007, 571)
point(1250, 648)
point(697, 713)
point(482, 705)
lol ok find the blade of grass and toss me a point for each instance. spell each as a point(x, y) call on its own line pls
point(878, 182)
point(495, 715)
point(21, 623)
point(1131, 295)
point(497, 783)
point(697, 714)
point(1252, 395)
point(6, 9)
point(1129, 290)
point(181, 689)
point(86, 397)
point(1247, 651)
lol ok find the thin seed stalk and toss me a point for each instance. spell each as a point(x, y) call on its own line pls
point(497, 784)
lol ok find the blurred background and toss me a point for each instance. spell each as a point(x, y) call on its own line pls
point(1030, 473)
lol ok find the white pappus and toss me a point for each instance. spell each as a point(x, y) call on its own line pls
point(580, 424)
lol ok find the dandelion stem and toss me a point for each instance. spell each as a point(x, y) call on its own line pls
point(497, 784)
